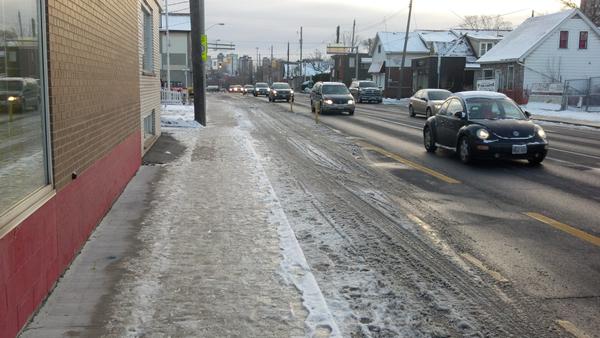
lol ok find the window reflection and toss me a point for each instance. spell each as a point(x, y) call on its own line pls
point(22, 138)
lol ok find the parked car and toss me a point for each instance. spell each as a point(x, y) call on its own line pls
point(366, 91)
point(236, 89)
point(22, 93)
point(281, 91)
point(427, 101)
point(261, 88)
point(331, 97)
point(485, 125)
point(211, 88)
point(248, 89)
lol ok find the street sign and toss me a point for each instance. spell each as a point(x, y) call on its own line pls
point(337, 49)
point(487, 85)
point(204, 44)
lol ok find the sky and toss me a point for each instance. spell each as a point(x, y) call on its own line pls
point(262, 23)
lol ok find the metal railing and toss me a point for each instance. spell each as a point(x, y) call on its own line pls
point(172, 97)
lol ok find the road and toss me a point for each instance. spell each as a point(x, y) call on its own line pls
point(521, 242)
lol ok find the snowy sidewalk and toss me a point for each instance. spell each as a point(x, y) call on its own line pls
point(212, 254)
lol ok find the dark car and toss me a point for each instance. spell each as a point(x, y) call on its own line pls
point(281, 91)
point(21, 94)
point(261, 88)
point(427, 101)
point(485, 125)
point(331, 97)
point(366, 91)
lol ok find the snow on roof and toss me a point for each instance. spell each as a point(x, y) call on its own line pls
point(177, 22)
point(484, 34)
point(458, 47)
point(518, 42)
point(437, 36)
point(393, 42)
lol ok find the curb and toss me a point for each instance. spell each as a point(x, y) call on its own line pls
point(573, 123)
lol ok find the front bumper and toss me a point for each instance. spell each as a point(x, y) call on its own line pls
point(503, 149)
point(283, 96)
point(336, 107)
point(261, 92)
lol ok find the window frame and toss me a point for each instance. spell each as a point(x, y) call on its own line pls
point(148, 55)
point(34, 200)
point(561, 40)
point(587, 36)
point(483, 77)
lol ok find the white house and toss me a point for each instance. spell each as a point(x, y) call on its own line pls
point(544, 49)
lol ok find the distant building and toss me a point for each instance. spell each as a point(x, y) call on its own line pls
point(344, 67)
point(180, 50)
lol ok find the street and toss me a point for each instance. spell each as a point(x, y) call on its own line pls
point(490, 244)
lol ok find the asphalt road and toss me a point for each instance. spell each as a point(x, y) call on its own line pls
point(534, 230)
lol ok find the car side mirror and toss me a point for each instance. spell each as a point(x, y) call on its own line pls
point(528, 114)
point(460, 115)
point(424, 99)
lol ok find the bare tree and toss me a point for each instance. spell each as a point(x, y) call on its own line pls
point(588, 8)
point(569, 4)
point(485, 22)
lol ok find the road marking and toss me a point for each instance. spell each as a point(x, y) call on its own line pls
point(575, 153)
point(565, 228)
point(571, 328)
point(409, 163)
point(495, 274)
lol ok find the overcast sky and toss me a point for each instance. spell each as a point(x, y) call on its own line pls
point(262, 23)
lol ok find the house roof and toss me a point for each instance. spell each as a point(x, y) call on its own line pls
point(525, 38)
point(393, 42)
point(482, 34)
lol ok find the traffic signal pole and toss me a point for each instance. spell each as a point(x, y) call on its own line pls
point(199, 54)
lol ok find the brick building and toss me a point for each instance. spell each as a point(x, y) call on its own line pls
point(71, 134)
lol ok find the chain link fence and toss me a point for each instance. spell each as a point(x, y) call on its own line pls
point(582, 94)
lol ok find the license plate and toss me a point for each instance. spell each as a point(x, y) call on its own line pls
point(519, 149)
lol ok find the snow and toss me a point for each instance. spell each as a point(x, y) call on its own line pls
point(397, 102)
point(393, 42)
point(518, 42)
point(178, 116)
point(551, 111)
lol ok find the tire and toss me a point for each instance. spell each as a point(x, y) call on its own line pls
point(536, 161)
point(429, 140)
point(464, 150)
point(255, 95)
point(411, 111)
point(351, 112)
point(428, 112)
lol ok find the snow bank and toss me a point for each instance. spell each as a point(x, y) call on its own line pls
point(178, 116)
point(397, 102)
point(549, 110)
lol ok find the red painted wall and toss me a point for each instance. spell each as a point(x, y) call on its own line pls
point(38, 251)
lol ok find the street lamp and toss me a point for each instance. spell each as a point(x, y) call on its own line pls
point(217, 24)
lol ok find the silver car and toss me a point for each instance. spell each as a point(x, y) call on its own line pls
point(427, 101)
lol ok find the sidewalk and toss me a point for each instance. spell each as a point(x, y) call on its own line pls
point(196, 247)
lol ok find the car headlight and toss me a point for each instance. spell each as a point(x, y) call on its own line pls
point(483, 134)
point(291, 92)
point(541, 133)
point(274, 92)
point(328, 101)
point(12, 98)
point(350, 101)
point(437, 106)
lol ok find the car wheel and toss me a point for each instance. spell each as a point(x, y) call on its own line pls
point(464, 150)
point(429, 140)
point(255, 95)
point(411, 111)
point(535, 161)
point(351, 112)
point(428, 112)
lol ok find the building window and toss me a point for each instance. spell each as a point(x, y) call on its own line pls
point(149, 129)
point(583, 40)
point(24, 168)
point(510, 77)
point(564, 40)
point(484, 47)
point(488, 74)
point(379, 49)
point(351, 62)
point(148, 61)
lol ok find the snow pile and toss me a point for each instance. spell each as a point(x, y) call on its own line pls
point(396, 102)
point(549, 110)
point(178, 116)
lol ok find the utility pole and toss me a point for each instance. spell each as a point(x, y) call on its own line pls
point(199, 46)
point(337, 35)
point(301, 63)
point(271, 67)
point(287, 65)
point(20, 24)
point(356, 63)
point(257, 62)
point(404, 50)
point(168, 45)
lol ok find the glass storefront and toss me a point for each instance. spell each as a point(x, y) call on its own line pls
point(23, 158)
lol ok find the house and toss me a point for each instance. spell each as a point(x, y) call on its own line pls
point(344, 67)
point(452, 63)
point(83, 137)
point(149, 60)
point(544, 49)
point(180, 49)
point(387, 57)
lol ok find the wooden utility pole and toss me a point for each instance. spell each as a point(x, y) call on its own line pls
point(356, 63)
point(199, 46)
point(287, 65)
point(400, 82)
point(301, 63)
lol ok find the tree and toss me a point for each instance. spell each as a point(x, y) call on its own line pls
point(485, 22)
point(569, 4)
point(588, 8)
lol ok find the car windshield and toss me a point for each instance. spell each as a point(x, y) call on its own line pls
point(11, 85)
point(438, 95)
point(480, 108)
point(367, 84)
point(281, 86)
point(335, 89)
point(261, 85)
